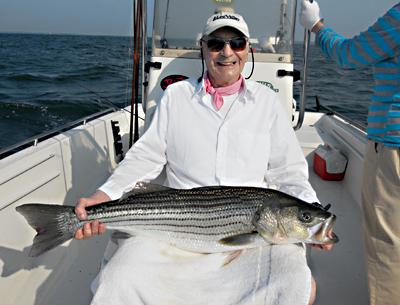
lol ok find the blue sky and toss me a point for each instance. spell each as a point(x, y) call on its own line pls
point(114, 17)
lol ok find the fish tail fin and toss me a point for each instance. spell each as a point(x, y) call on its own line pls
point(51, 223)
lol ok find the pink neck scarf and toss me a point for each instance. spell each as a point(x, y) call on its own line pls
point(218, 93)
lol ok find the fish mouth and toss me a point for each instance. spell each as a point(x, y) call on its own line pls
point(322, 237)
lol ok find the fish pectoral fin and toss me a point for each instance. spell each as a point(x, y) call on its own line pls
point(142, 187)
point(239, 240)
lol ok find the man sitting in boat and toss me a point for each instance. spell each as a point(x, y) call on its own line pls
point(220, 129)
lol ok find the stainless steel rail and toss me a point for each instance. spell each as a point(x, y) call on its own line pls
point(302, 105)
point(144, 53)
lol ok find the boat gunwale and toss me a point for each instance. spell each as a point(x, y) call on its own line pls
point(33, 141)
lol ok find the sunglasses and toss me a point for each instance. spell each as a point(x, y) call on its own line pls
point(216, 44)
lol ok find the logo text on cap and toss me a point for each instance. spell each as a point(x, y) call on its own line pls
point(226, 17)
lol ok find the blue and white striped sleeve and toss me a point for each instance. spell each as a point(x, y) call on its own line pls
point(381, 41)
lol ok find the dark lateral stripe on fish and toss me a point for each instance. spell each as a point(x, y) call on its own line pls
point(142, 222)
point(187, 204)
point(228, 233)
point(199, 219)
point(157, 212)
point(137, 214)
point(194, 226)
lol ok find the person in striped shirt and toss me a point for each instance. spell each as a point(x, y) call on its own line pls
point(379, 47)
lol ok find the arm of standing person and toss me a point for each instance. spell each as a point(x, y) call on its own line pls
point(379, 42)
point(143, 162)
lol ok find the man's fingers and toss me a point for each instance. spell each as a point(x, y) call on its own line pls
point(95, 227)
point(81, 214)
point(80, 210)
point(90, 229)
point(322, 247)
point(317, 246)
point(102, 228)
point(87, 230)
point(79, 234)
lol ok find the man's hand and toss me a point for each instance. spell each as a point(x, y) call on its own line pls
point(95, 227)
point(309, 14)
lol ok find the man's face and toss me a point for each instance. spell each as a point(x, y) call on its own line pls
point(224, 66)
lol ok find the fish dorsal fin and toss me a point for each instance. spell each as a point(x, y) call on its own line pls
point(239, 240)
point(145, 187)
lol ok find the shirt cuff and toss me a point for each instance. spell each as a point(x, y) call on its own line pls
point(113, 190)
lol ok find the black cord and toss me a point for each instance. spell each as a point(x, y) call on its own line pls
point(252, 65)
point(202, 64)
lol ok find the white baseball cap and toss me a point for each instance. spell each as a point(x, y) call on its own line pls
point(224, 19)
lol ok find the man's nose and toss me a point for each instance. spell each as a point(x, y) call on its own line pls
point(227, 50)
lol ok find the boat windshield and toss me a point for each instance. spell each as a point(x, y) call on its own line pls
point(178, 23)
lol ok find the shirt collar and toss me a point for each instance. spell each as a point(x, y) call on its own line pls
point(247, 88)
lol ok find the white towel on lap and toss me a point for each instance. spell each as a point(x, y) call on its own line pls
point(145, 271)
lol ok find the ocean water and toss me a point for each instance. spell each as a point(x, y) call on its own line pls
point(343, 90)
point(49, 80)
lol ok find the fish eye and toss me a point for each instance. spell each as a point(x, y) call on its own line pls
point(305, 216)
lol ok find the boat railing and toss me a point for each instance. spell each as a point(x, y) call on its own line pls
point(329, 111)
point(33, 141)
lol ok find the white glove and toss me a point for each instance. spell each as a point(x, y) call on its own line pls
point(309, 14)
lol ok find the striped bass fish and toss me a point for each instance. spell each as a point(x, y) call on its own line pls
point(204, 219)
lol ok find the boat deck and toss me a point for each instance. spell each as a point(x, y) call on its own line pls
point(340, 274)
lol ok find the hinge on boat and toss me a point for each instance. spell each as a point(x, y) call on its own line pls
point(119, 153)
point(295, 74)
point(151, 64)
point(148, 65)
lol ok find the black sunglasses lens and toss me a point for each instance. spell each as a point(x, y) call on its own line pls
point(238, 44)
point(215, 44)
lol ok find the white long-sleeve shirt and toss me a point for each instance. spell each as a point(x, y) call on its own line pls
point(252, 145)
